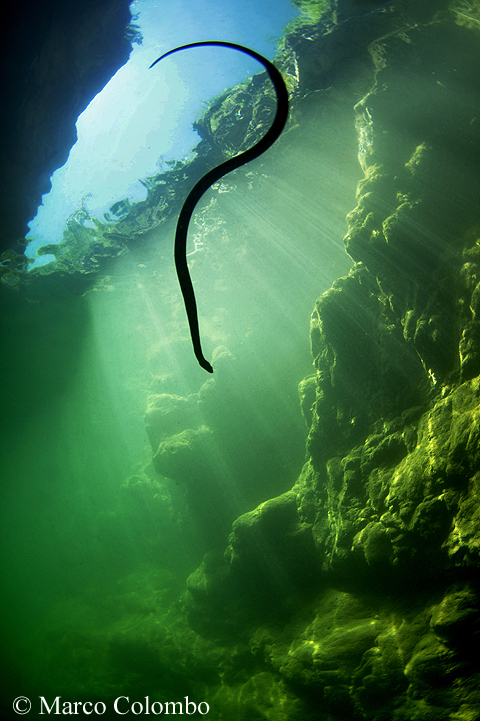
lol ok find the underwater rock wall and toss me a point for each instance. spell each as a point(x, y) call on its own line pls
point(355, 595)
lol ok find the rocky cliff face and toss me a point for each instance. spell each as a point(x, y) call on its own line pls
point(356, 595)
point(55, 58)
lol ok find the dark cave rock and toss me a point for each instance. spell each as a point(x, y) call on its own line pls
point(55, 58)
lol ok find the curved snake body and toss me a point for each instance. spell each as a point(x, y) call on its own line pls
point(180, 253)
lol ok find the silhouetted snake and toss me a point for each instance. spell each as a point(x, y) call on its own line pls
point(211, 177)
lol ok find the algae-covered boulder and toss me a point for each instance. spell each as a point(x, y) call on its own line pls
point(264, 548)
point(187, 456)
point(167, 415)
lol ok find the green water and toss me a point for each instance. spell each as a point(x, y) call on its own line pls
point(95, 543)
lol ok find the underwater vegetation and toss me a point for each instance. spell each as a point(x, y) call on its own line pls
point(267, 575)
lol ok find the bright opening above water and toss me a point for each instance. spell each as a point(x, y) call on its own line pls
point(143, 118)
